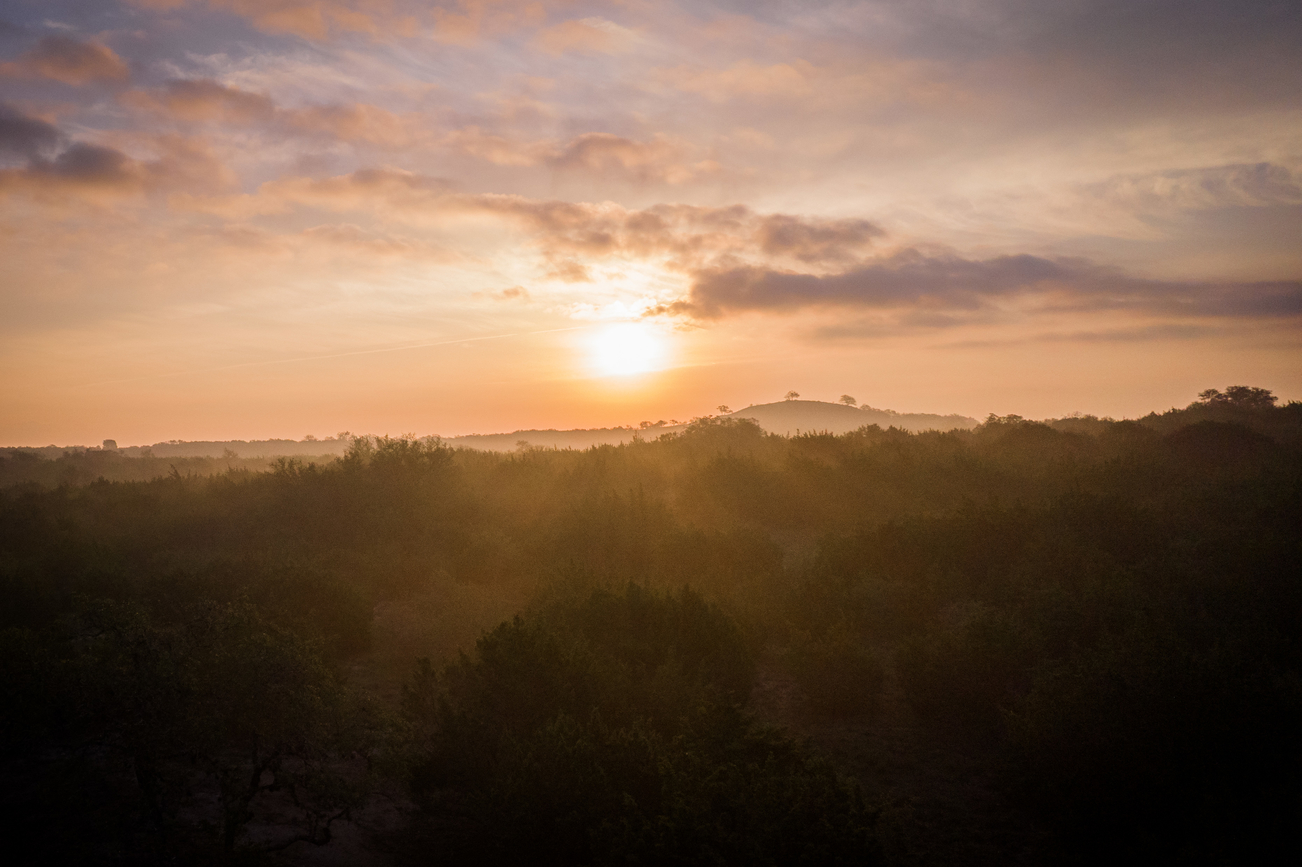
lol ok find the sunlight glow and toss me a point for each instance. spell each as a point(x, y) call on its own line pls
point(626, 349)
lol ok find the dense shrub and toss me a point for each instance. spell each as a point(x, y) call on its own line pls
point(171, 732)
point(608, 731)
point(837, 673)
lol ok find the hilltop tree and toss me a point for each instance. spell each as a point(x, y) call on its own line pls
point(848, 400)
point(792, 395)
point(1239, 397)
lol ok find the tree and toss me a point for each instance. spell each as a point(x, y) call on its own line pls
point(1239, 397)
point(848, 400)
point(792, 395)
point(218, 711)
point(723, 408)
point(607, 730)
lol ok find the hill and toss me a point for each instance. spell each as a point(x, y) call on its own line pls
point(330, 447)
point(789, 417)
point(548, 439)
point(786, 417)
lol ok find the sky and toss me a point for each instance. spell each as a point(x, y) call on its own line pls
point(242, 219)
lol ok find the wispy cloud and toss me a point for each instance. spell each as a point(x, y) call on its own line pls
point(68, 60)
point(947, 284)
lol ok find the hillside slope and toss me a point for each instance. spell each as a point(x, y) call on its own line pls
point(789, 417)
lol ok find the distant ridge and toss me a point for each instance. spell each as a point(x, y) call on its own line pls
point(789, 417)
point(214, 449)
point(786, 417)
point(553, 439)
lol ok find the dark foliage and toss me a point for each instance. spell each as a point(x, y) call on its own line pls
point(609, 732)
point(1101, 617)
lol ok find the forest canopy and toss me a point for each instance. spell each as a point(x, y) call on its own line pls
point(1031, 642)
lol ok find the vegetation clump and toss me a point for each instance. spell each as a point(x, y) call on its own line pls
point(611, 731)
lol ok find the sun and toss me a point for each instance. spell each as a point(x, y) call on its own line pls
point(627, 349)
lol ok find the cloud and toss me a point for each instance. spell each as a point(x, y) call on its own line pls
point(453, 21)
point(91, 170)
point(737, 261)
point(513, 293)
point(571, 236)
point(356, 122)
point(87, 164)
point(1240, 185)
point(952, 288)
point(604, 153)
point(589, 35)
point(683, 237)
point(468, 21)
point(496, 149)
point(203, 100)
point(660, 160)
point(25, 136)
point(360, 244)
point(390, 192)
point(65, 59)
point(209, 101)
point(82, 170)
point(1140, 334)
point(820, 241)
point(688, 238)
point(365, 189)
point(314, 19)
point(743, 79)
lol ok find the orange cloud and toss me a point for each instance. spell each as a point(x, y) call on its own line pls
point(496, 149)
point(598, 153)
point(356, 122)
point(314, 19)
point(602, 153)
point(91, 171)
point(474, 19)
point(205, 100)
point(589, 35)
point(1235, 185)
point(815, 241)
point(879, 81)
point(744, 79)
point(458, 21)
point(571, 236)
point(943, 289)
point(684, 238)
point(357, 242)
point(65, 59)
point(739, 261)
point(366, 189)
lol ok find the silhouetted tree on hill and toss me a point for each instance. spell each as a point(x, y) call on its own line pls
point(1239, 397)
